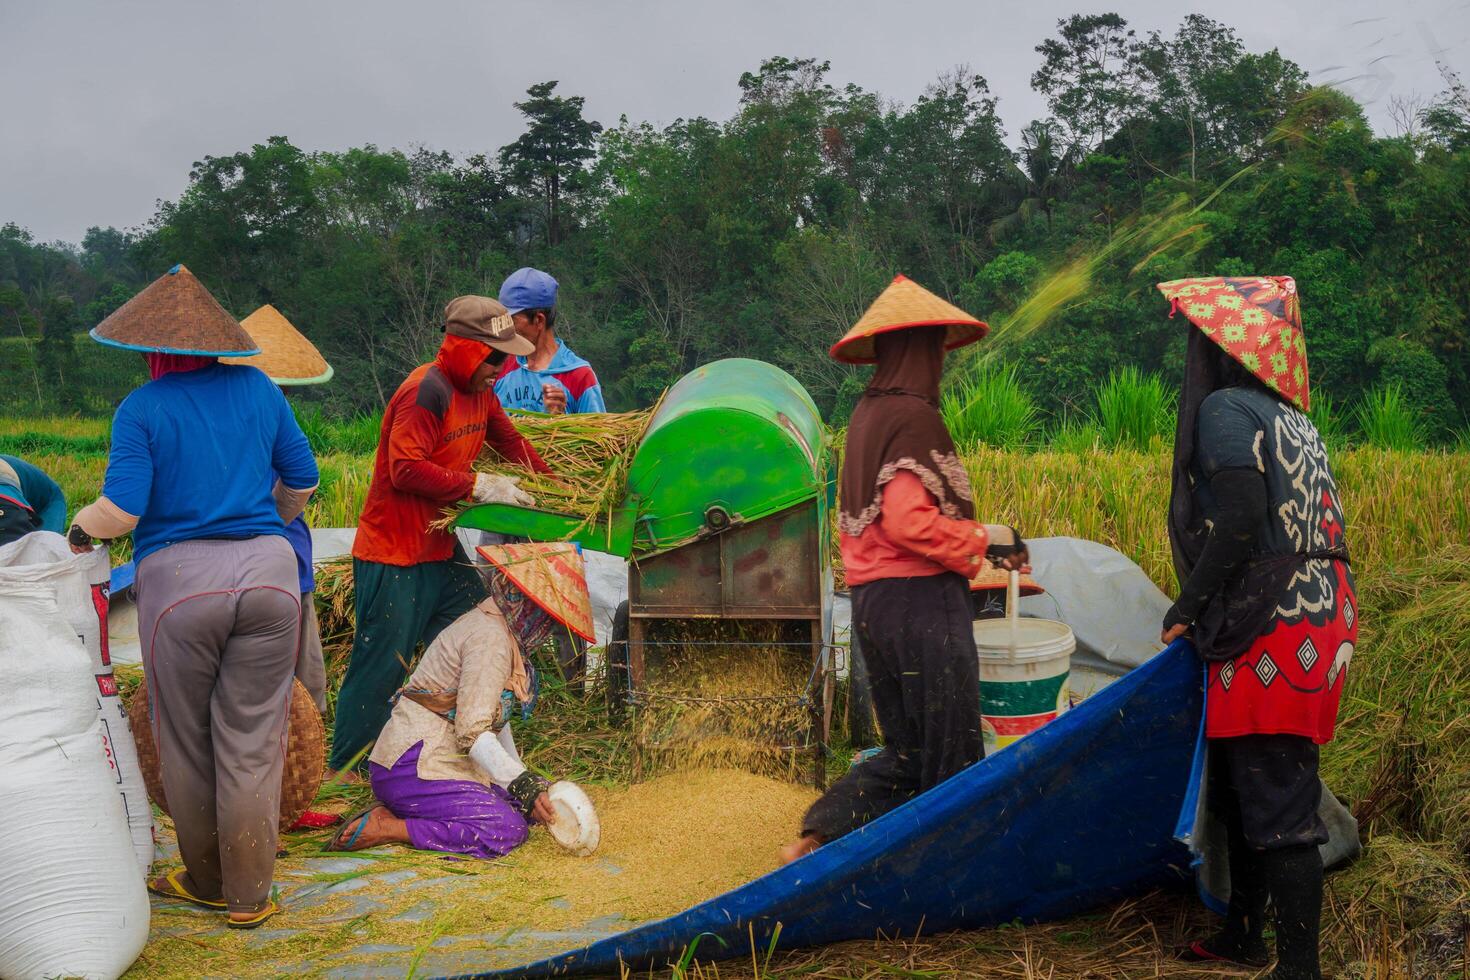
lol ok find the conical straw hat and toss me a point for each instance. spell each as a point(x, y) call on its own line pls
point(906, 304)
point(175, 314)
point(1257, 320)
point(553, 576)
point(286, 356)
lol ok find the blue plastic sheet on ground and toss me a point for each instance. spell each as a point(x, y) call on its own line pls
point(1080, 813)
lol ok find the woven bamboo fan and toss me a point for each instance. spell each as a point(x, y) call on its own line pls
point(995, 577)
point(286, 356)
point(906, 304)
point(305, 753)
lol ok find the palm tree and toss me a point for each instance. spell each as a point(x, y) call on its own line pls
point(1039, 178)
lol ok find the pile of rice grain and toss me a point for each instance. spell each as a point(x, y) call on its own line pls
point(667, 844)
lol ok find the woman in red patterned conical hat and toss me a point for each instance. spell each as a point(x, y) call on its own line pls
point(1267, 596)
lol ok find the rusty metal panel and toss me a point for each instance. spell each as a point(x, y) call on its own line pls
point(685, 578)
point(773, 563)
point(770, 569)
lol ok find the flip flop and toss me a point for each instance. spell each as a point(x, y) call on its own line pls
point(169, 887)
point(350, 832)
point(258, 919)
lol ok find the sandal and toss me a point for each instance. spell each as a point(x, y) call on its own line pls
point(169, 886)
point(1198, 952)
point(315, 820)
point(346, 838)
point(256, 920)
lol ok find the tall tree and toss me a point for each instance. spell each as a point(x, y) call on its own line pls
point(1184, 73)
point(1087, 74)
point(549, 159)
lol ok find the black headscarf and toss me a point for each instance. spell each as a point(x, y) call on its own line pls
point(896, 426)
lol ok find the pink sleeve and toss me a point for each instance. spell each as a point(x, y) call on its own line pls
point(911, 520)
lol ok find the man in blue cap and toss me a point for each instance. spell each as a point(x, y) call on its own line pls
point(550, 379)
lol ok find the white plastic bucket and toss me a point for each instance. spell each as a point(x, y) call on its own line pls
point(1023, 688)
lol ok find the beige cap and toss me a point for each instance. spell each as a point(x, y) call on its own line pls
point(484, 319)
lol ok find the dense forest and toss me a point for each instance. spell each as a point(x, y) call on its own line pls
point(1163, 155)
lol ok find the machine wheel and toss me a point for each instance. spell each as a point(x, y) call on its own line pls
point(615, 666)
point(861, 729)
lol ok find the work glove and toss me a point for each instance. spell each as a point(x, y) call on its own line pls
point(1006, 548)
point(493, 488)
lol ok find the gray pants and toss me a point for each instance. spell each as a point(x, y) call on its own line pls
point(219, 623)
point(311, 669)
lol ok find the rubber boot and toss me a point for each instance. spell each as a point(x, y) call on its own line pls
point(1293, 876)
point(1241, 940)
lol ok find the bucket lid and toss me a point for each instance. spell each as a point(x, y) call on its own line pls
point(576, 827)
point(1036, 639)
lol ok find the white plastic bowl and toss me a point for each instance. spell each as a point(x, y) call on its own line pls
point(576, 826)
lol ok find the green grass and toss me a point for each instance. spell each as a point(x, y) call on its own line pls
point(1332, 424)
point(357, 434)
point(991, 408)
point(1076, 435)
point(1387, 421)
point(1134, 409)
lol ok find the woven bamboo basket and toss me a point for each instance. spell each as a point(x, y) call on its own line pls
point(305, 753)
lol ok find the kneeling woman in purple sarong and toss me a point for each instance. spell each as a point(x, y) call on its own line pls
point(445, 768)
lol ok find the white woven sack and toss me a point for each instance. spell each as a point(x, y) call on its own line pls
point(72, 903)
point(78, 583)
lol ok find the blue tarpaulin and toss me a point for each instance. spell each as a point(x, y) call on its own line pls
point(1082, 812)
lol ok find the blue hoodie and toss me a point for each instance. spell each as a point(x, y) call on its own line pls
point(519, 387)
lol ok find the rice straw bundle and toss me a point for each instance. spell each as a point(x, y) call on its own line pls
point(336, 622)
point(589, 456)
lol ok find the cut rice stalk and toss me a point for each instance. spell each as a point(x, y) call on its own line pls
point(589, 456)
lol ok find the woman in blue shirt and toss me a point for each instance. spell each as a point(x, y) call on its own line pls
point(192, 475)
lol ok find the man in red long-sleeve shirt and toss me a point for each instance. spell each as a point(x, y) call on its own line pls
point(410, 580)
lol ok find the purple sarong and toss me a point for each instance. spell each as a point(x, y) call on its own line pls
point(454, 815)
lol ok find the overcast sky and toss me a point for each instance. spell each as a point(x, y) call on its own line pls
point(106, 103)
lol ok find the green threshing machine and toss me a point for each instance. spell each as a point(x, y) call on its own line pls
point(724, 517)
